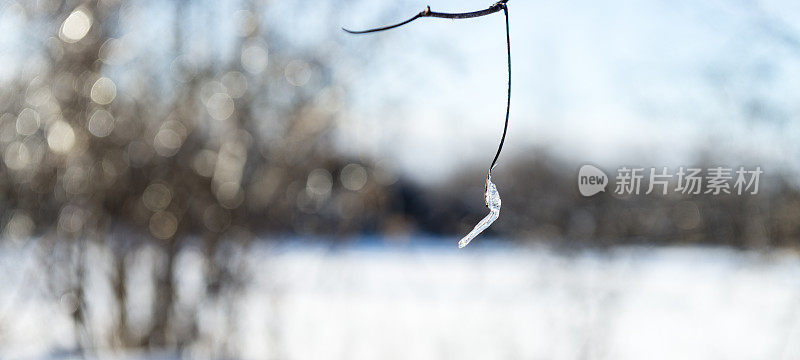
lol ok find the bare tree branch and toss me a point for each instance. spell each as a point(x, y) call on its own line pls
point(500, 5)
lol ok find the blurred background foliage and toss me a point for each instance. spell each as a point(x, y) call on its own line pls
point(123, 153)
point(211, 152)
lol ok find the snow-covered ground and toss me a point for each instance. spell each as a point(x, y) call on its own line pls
point(483, 302)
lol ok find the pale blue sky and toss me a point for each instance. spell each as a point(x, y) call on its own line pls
point(617, 82)
point(612, 83)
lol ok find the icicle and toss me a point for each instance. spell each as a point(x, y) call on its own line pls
point(493, 203)
point(492, 196)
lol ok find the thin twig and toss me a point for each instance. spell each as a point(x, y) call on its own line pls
point(508, 101)
point(500, 5)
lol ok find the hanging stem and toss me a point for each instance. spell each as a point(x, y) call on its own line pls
point(500, 5)
point(508, 101)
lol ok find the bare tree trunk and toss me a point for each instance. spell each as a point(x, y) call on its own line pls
point(164, 298)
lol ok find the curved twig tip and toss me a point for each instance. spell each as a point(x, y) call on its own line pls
point(500, 5)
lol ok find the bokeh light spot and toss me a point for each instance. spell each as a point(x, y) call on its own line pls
point(19, 227)
point(103, 91)
point(230, 194)
point(354, 177)
point(169, 138)
point(157, 197)
point(101, 123)
point(60, 137)
point(254, 58)
point(27, 122)
point(71, 219)
point(220, 106)
point(16, 156)
point(319, 182)
point(236, 83)
point(163, 225)
point(76, 25)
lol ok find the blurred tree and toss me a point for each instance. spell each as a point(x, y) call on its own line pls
point(102, 150)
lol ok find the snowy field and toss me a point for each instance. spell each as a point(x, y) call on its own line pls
point(436, 302)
